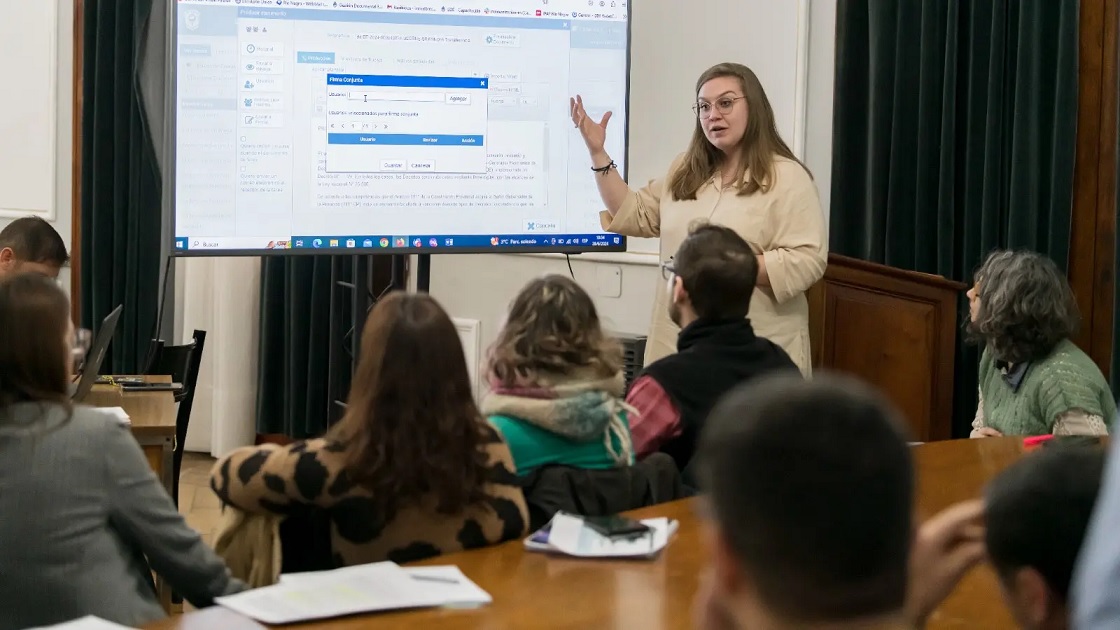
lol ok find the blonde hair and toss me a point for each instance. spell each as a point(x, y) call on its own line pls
point(761, 142)
point(552, 329)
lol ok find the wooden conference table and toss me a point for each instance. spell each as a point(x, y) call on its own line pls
point(540, 591)
point(152, 418)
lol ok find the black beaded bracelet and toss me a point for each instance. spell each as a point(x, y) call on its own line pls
point(603, 169)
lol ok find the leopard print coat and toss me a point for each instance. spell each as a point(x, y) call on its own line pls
point(286, 479)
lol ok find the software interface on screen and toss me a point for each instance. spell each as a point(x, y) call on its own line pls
point(318, 124)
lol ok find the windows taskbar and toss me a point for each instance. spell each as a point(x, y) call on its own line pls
point(390, 242)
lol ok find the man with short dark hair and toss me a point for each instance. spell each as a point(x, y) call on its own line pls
point(31, 244)
point(810, 491)
point(1038, 513)
point(712, 277)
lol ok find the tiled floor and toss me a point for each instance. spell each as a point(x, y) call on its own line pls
point(197, 501)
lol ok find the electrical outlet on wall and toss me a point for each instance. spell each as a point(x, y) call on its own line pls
point(608, 280)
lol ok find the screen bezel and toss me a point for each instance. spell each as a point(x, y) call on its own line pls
point(171, 150)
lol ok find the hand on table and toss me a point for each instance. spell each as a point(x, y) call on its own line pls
point(986, 432)
point(946, 547)
point(594, 133)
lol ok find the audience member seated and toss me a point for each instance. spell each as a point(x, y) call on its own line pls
point(1033, 379)
point(556, 382)
point(85, 521)
point(809, 513)
point(1038, 511)
point(712, 277)
point(411, 471)
point(31, 244)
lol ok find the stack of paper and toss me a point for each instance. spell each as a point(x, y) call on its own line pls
point(352, 590)
point(567, 534)
point(85, 623)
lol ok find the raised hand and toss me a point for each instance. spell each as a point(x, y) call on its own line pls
point(594, 133)
point(946, 547)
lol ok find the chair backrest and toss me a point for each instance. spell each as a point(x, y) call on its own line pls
point(180, 362)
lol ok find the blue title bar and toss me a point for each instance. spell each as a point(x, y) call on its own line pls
point(389, 80)
point(404, 139)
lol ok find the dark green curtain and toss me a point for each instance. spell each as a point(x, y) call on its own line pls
point(1114, 372)
point(295, 344)
point(954, 133)
point(121, 187)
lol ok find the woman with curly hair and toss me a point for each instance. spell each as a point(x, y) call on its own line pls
point(412, 470)
point(1033, 379)
point(556, 382)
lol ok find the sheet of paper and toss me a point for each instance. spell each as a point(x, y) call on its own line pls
point(368, 588)
point(446, 582)
point(569, 535)
point(117, 412)
point(85, 623)
point(450, 583)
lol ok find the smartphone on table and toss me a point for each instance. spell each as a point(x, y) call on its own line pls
point(615, 526)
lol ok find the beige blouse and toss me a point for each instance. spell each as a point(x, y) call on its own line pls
point(785, 225)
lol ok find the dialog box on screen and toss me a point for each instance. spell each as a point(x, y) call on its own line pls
point(406, 124)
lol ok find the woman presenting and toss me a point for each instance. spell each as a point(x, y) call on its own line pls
point(737, 172)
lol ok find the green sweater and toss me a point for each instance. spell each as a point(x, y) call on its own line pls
point(533, 447)
point(1066, 379)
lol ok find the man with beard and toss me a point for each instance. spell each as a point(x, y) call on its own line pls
point(711, 279)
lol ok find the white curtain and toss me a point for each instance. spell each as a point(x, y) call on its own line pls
point(222, 297)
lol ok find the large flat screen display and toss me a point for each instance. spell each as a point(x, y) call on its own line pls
point(313, 126)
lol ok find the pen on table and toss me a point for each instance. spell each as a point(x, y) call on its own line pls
point(433, 578)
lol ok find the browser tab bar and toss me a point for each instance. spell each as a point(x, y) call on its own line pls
point(610, 10)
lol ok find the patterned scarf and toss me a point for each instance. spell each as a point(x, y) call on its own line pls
point(580, 407)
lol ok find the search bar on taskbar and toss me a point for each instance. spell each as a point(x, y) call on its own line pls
point(231, 242)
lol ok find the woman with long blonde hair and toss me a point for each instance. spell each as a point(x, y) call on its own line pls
point(737, 172)
point(556, 382)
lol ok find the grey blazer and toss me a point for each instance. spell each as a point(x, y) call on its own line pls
point(82, 516)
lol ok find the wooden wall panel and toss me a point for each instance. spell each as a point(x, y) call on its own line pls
point(1104, 277)
point(895, 329)
point(1092, 240)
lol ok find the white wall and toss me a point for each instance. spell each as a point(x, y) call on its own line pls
point(37, 41)
point(481, 287)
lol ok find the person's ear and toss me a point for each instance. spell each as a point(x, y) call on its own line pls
point(1031, 596)
point(680, 295)
point(7, 257)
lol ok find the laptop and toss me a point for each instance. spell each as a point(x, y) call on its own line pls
point(96, 354)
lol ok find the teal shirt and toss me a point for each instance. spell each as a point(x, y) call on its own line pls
point(533, 447)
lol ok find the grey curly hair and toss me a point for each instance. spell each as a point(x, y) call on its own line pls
point(1026, 306)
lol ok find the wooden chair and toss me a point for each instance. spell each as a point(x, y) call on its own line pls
point(182, 364)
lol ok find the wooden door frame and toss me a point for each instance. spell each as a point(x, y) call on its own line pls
point(76, 166)
point(1092, 258)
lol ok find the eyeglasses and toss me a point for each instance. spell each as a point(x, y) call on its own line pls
point(668, 270)
point(723, 105)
